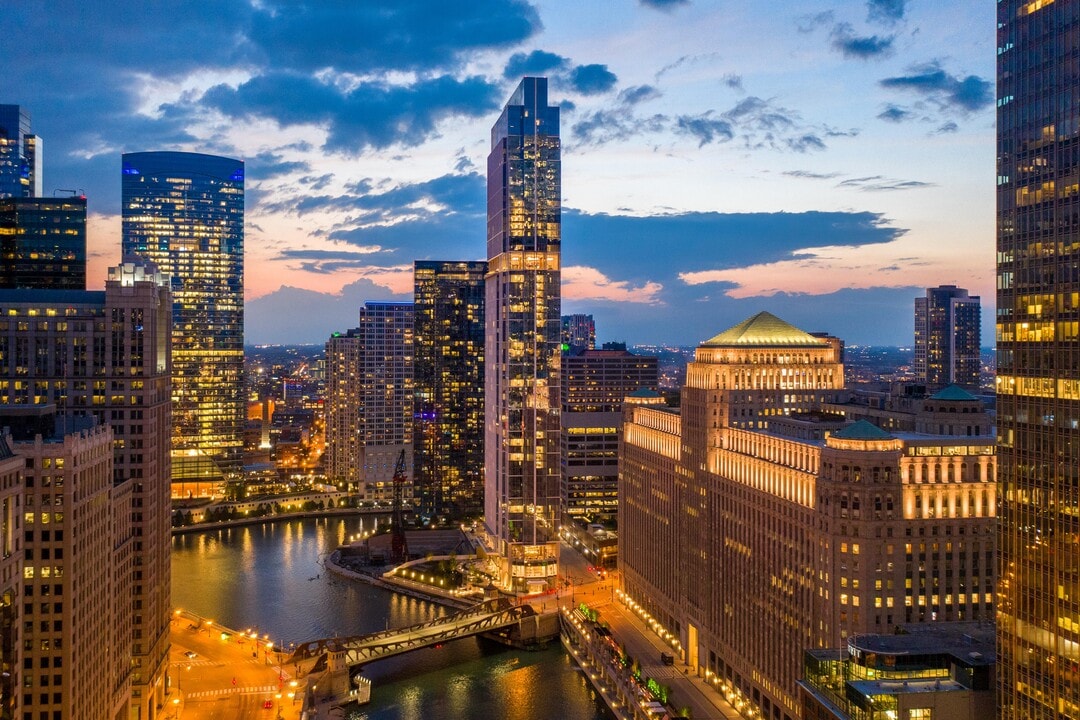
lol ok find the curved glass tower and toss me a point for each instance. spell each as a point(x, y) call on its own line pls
point(185, 212)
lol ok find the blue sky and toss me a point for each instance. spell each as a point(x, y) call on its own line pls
point(821, 160)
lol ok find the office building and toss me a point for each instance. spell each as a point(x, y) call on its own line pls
point(369, 400)
point(594, 385)
point(74, 625)
point(1038, 380)
point(11, 580)
point(948, 331)
point(43, 243)
point(448, 435)
point(754, 526)
point(104, 354)
point(918, 672)
point(20, 154)
point(578, 333)
point(522, 339)
point(185, 213)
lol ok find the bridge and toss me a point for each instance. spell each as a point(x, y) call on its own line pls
point(488, 616)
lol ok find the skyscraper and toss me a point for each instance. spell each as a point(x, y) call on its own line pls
point(578, 333)
point(20, 154)
point(105, 354)
point(43, 243)
point(185, 213)
point(369, 414)
point(1038, 346)
point(594, 385)
point(948, 331)
point(522, 306)
point(448, 435)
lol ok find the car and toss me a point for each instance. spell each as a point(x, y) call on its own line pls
point(268, 704)
point(667, 658)
point(191, 655)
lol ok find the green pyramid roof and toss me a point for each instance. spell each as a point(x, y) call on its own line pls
point(953, 392)
point(764, 329)
point(862, 430)
point(644, 393)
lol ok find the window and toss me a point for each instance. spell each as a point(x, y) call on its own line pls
point(920, 714)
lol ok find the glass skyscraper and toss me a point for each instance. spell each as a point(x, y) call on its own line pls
point(948, 331)
point(1038, 342)
point(448, 435)
point(185, 213)
point(522, 340)
point(43, 243)
point(20, 154)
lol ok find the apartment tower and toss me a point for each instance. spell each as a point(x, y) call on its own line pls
point(1038, 354)
point(448, 371)
point(20, 154)
point(948, 332)
point(522, 339)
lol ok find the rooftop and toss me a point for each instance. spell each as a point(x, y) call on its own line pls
point(764, 329)
point(862, 430)
point(954, 392)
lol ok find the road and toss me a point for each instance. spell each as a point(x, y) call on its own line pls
point(687, 690)
point(226, 676)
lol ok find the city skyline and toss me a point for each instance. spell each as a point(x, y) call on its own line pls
point(713, 155)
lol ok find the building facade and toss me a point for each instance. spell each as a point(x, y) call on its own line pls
point(919, 672)
point(1038, 381)
point(523, 335)
point(578, 333)
point(594, 385)
point(948, 332)
point(754, 526)
point(106, 354)
point(448, 435)
point(43, 243)
point(369, 402)
point(74, 648)
point(185, 213)
point(20, 154)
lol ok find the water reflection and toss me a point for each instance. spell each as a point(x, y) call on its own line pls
point(269, 578)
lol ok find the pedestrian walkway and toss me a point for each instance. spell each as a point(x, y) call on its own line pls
point(232, 691)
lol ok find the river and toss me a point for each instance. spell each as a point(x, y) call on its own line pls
point(268, 577)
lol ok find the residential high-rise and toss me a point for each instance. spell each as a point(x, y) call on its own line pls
point(754, 526)
point(948, 331)
point(103, 354)
point(369, 403)
point(594, 385)
point(344, 443)
point(448, 435)
point(185, 213)
point(578, 333)
point(1038, 343)
point(20, 154)
point(522, 340)
point(43, 243)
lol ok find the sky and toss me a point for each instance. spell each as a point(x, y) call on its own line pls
point(824, 161)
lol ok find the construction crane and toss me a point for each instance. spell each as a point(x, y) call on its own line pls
point(399, 547)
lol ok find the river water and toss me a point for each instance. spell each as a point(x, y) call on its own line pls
point(269, 577)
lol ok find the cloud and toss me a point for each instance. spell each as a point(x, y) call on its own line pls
point(949, 127)
point(895, 114)
point(592, 79)
point(805, 143)
point(586, 283)
point(808, 175)
point(410, 35)
point(850, 45)
point(665, 5)
point(886, 12)
point(950, 92)
point(268, 165)
point(810, 23)
point(373, 114)
point(705, 129)
point(538, 62)
point(879, 183)
point(638, 94)
point(733, 81)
